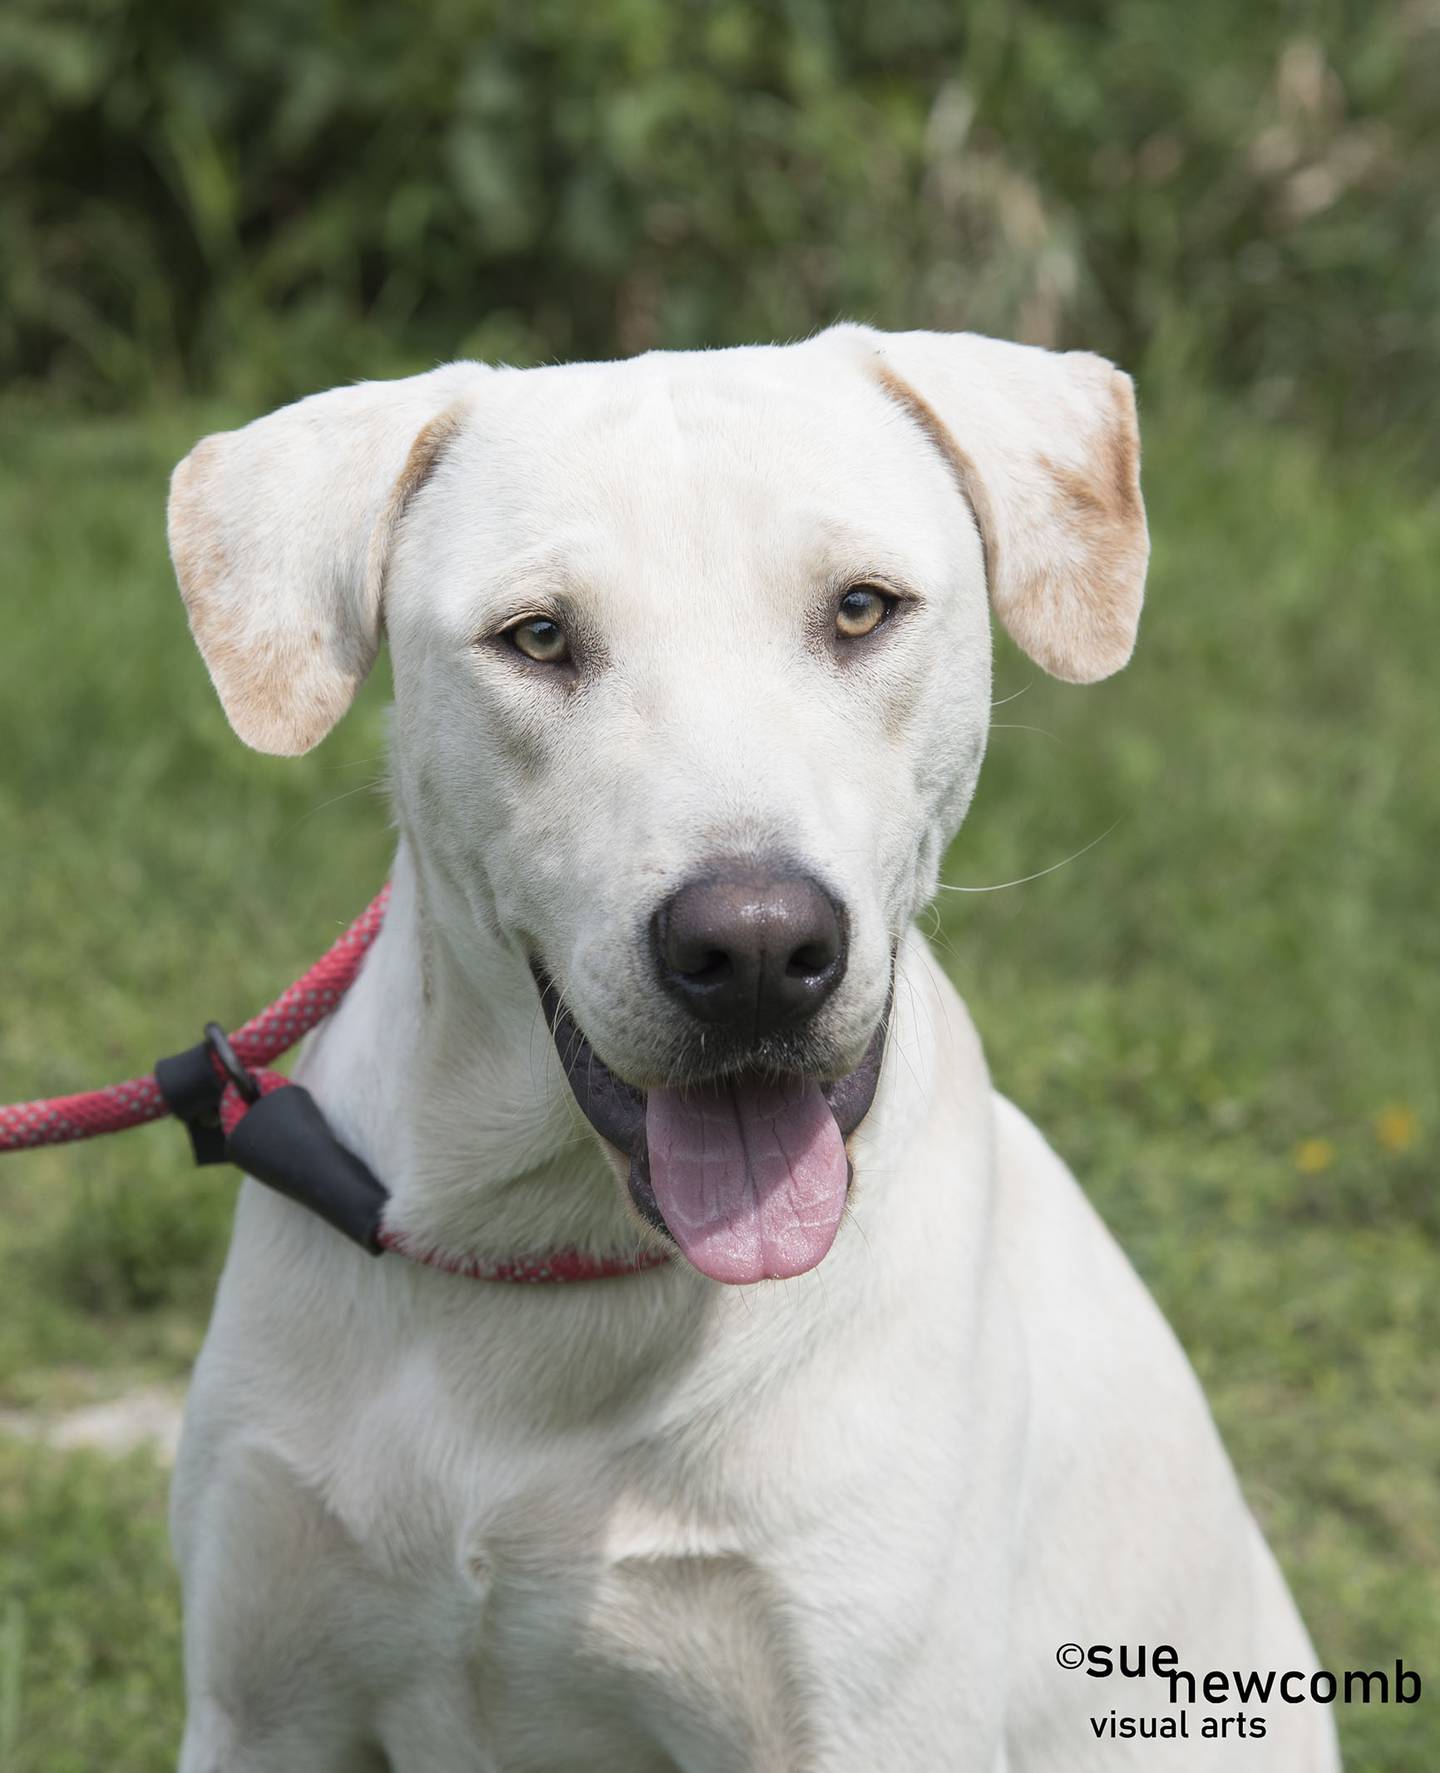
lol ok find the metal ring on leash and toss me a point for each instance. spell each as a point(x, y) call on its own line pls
point(218, 1042)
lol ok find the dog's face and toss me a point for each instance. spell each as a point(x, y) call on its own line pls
point(686, 620)
point(692, 673)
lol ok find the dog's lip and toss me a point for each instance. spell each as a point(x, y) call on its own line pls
point(616, 1109)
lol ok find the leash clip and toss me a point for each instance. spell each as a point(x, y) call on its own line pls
point(218, 1041)
point(282, 1140)
point(192, 1091)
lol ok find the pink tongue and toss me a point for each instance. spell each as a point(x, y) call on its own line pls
point(750, 1176)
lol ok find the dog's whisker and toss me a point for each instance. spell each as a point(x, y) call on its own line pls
point(357, 763)
point(364, 788)
point(1019, 726)
point(938, 939)
point(852, 1217)
point(1025, 879)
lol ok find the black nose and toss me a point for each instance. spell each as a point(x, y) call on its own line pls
point(751, 949)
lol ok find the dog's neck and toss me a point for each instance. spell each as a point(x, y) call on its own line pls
point(439, 1070)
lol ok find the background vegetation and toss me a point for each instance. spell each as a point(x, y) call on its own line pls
point(1224, 1013)
point(280, 195)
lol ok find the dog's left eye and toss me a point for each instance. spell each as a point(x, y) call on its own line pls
point(862, 610)
point(540, 639)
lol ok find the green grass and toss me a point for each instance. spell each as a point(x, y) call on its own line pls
point(1224, 1013)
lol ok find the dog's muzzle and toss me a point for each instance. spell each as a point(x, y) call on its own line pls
point(746, 1172)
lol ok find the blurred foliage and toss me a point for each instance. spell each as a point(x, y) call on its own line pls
point(92, 1685)
point(272, 197)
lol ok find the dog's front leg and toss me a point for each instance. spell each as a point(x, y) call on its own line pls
point(284, 1634)
point(217, 1743)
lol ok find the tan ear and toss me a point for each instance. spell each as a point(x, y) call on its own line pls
point(1046, 448)
point(280, 533)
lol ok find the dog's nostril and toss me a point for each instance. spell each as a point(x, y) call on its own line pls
point(752, 948)
point(806, 962)
point(712, 966)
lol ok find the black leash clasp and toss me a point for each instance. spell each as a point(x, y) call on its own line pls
point(282, 1139)
point(192, 1093)
point(286, 1142)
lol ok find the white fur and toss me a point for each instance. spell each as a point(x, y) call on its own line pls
point(648, 1524)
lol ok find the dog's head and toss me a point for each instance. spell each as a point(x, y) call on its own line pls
point(692, 673)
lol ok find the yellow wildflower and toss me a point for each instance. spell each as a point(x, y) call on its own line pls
point(1397, 1126)
point(1314, 1155)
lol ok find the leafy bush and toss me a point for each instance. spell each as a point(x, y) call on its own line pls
point(269, 197)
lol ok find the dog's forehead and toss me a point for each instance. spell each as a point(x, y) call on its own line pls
point(688, 399)
point(771, 446)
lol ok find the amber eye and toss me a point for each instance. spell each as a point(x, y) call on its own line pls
point(862, 610)
point(540, 639)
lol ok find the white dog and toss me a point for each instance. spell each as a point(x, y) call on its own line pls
point(692, 672)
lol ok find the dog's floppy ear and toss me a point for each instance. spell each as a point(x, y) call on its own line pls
point(280, 533)
point(1046, 448)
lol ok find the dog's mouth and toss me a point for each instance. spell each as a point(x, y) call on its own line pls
point(746, 1173)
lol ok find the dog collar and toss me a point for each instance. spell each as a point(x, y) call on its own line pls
point(559, 1266)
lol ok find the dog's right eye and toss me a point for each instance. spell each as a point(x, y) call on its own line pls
point(862, 609)
point(540, 639)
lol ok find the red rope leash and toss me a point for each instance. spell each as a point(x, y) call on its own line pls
point(60, 1120)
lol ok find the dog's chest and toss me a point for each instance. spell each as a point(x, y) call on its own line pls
point(577, 1626)
point(614, 1610)
point(656, 1657)
point(684, 1574)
